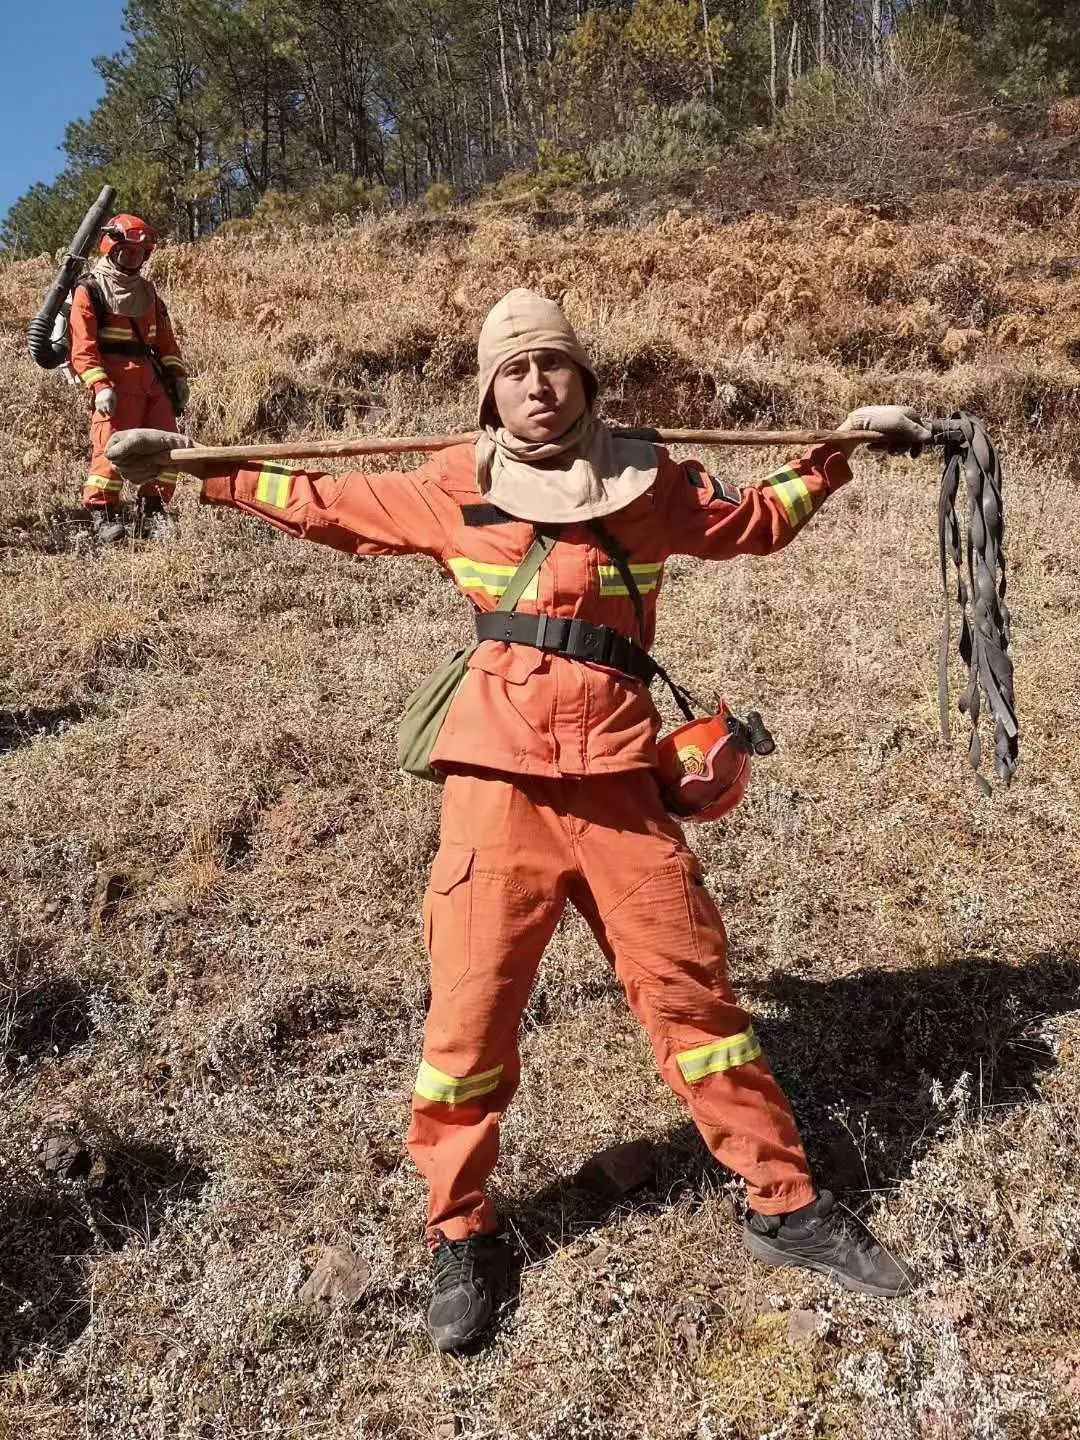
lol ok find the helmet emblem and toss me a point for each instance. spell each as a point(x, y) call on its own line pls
point(692, 760)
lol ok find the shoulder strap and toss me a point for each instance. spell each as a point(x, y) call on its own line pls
point(619, 559)
point(97, 300)
point(523, 576)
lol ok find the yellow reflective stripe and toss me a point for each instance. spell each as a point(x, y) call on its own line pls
point(718, 1055)
point(275, 485)
point(434, 1084)
point(648, 577)
point(114, 332)
point(492, 579)
point(100, 482)
point(93, 375)
point(791, 490)
point(172, 360)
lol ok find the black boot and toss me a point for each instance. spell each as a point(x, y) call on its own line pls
point(106, 524)
point(820, 1237)
point(153, 521)
point(464, 1275)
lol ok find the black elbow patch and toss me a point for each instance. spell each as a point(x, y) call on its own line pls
point(720, 489)
point(480, 515)
point(724, 490)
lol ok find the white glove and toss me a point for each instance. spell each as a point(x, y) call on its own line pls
point(901, 427)
point(141, 455)
point(105, 401)
point(181, 389)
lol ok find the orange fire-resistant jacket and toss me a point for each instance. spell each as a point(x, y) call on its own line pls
point(97, 366)
point(521, 710)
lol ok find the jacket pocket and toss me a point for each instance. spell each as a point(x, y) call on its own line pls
point(512, 663)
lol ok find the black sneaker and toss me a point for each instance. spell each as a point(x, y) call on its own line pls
point(820, 1237)
point(464, 1275)
point(106, 524)
point(153, 521)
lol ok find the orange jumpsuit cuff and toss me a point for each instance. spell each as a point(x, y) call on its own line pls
point(789, 1199)
point(830, 462)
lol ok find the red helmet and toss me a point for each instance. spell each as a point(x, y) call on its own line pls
point(704, 766)
point(128, 240)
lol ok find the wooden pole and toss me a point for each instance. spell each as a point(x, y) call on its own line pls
point(428, 444)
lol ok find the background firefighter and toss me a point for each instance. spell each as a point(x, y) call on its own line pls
point(551, 794)
point(124, 351)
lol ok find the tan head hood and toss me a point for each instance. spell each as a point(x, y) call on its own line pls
point(523, 320)
point(586, 473)
point(125, 293)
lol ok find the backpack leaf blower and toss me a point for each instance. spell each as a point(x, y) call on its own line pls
point(47, 347)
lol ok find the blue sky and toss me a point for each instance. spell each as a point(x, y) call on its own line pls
point(46, 51)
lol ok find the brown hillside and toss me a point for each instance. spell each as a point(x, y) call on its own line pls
point(210, 870)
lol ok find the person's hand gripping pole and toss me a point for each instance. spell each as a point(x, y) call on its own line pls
point(141, 455)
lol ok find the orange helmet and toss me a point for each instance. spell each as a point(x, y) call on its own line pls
point(128, 240)
point(705, 765)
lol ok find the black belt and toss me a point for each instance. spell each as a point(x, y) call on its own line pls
point(576, 639)
point(135, 348)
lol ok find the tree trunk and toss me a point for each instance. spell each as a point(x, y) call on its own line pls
point(504, 76)
point(821, 42)
point(708, 48)
point(876, 47)
point(264, 148)
point(199, 162)
point(772, 63)
point(792, 42)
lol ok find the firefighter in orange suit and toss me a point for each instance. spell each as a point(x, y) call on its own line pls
point(124, 351)
point(550, 789)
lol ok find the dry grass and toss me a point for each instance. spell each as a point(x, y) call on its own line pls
point(210, 871)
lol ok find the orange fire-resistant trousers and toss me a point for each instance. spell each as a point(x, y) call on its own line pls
point(513, 851)
point(139, 401)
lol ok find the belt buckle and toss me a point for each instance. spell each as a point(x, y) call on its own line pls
point(608, 637)
point(588, 642)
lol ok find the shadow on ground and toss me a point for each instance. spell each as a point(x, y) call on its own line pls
point(107, 1198)
point(20, 727)
point(47, 1020)
point(878, 1065)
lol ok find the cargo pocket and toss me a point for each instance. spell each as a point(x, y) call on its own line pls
point(448, 916)
point(706, 926)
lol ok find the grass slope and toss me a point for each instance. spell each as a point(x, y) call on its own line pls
point(210, 872)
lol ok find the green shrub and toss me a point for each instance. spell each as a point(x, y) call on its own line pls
point(820, 99)
point(556, 167)
point(553, 169)
point(662, 141)
point(341, 195)
point(439, 196)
